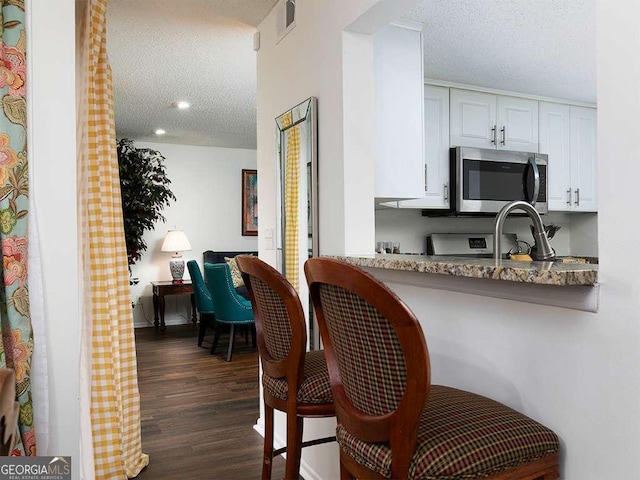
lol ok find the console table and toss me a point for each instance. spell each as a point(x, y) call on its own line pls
point(163, 288)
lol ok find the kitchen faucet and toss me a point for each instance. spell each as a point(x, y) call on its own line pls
point(543, 250)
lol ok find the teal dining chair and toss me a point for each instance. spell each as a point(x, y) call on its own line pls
point(204, 302)
point(229, 307)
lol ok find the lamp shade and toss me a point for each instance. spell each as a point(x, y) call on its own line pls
point(176, 241)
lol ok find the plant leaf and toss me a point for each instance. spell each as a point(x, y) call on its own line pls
point(15, 108)
point(21, 301)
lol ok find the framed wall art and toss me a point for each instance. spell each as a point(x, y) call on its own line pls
point(249, 202)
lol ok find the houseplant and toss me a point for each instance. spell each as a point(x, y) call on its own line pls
point(144, 186)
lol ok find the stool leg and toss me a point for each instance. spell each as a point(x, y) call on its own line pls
point(344, 473)
point(267, 458)
point(294, 446)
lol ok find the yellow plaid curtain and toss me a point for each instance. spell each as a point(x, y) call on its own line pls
point(108, 322)
point(291, 203)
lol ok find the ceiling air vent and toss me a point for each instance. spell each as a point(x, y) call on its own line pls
point(285, 18)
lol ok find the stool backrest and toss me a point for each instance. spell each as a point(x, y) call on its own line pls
point(376, 352)
point(280, 322)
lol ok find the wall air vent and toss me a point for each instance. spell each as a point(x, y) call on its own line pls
point(285, 18)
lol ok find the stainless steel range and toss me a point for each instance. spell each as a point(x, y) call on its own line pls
point(469, 244)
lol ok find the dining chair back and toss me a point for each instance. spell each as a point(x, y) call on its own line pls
point(295, 381)
point(392, 423)
point(229, 307)
point(204, 302)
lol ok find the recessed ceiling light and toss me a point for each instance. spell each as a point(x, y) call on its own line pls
point(160, 131)
point(182, 105)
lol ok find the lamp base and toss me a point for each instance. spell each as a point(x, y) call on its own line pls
point(176, 265)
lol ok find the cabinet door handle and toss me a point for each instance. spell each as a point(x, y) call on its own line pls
point(493, 135)
point(569, 197)
point(425, 178)
point(446, 192)
point(503, 130)
point(577, 197)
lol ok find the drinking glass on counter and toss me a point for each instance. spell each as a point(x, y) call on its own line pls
point(387, 247)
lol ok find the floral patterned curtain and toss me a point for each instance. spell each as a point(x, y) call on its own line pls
point(17, 335)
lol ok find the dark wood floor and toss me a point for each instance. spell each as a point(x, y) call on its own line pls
point(198, 411)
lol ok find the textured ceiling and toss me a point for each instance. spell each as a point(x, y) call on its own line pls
point(201, 51)
point(541, 47)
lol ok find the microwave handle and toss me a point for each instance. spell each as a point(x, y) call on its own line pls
point(536, 179)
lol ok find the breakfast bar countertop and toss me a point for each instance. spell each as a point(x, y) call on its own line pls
point(564, 272)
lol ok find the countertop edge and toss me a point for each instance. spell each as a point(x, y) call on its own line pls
point(571, 286)
point(540, 273)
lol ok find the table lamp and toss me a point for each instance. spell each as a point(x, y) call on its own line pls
point(176, 241)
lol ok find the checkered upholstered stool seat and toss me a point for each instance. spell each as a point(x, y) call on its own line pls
point(392, 423)
point(461, 436)
point(287, 366)
point(315, 386)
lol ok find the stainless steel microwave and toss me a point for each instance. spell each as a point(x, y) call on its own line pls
point(483, 180)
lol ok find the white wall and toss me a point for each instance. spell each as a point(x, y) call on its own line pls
point(576, 372)
point(207, 184)
point(578, 235)
point(52, 137)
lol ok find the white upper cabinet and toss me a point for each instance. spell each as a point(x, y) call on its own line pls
point(555, 139)
point(436, 142)
point(568, 136)
point(485, 120)
point(584, 168)
point(517, 124)
point(473, 119)
point(398, 80)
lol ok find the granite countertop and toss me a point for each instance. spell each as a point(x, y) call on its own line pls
point(542, 273)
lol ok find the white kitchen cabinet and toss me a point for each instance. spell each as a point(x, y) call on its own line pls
point(398, 87)
point(568, 136)
point(555, 141)
point(485, 120)
point(584, 168)
point(436, 142)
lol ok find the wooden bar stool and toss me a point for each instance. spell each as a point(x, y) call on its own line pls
point(392, 423)
point(295, 381)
